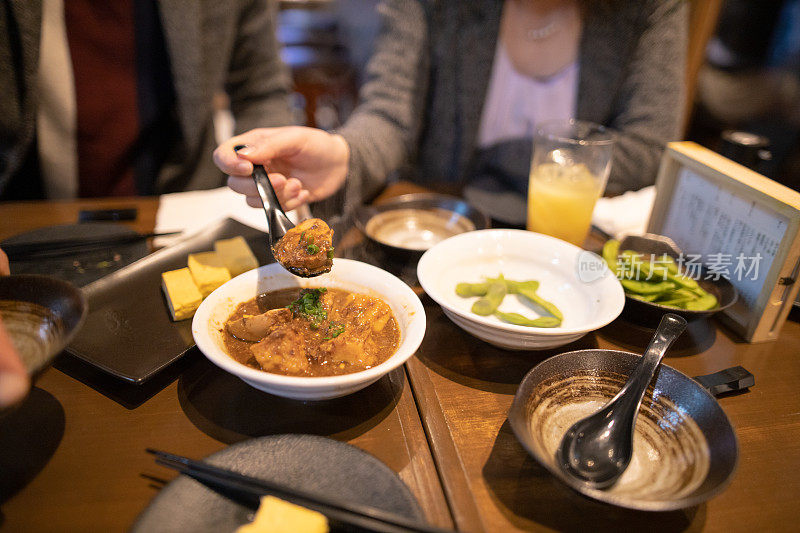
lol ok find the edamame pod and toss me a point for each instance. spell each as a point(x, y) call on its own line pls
point(520, 320)
point(644, 297)
point(683, 281)
point(610, 253)
point(514, 287)
point(676, 297)
point(645, 287)
point(467, 290)
point(548, 306)
point(704, 303)
point(488, 304)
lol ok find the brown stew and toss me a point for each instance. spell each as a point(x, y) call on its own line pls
point(312, 332)
point(307, 249)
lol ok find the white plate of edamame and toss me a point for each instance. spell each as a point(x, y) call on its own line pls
point(575, 293)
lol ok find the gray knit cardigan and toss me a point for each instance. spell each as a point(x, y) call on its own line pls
point(427, 80)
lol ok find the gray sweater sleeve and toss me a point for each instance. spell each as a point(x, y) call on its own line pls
point(650, 103)
point(382, 132)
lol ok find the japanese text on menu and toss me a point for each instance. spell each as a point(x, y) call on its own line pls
point(738, 235)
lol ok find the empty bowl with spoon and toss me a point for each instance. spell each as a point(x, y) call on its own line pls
point(684, 448)
point(598, 448)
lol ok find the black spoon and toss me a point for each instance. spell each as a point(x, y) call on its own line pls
point(278, 224)
point(598, 448)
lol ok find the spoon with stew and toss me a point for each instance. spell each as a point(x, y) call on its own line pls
point(305, 250)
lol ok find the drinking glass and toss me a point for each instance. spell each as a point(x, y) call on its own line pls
point(569, 169)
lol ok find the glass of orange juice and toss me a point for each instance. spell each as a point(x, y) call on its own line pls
point(569, 169)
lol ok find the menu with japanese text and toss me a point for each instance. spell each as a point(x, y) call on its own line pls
point(732, 237)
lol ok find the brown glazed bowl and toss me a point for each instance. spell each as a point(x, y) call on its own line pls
point(685, 449)
point(41, 315)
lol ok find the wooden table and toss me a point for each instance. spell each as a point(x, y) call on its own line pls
point(81, 450)
point(89, 449)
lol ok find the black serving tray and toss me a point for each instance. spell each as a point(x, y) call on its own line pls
point(128, 332)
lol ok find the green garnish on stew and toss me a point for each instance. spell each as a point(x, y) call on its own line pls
point(334, 330)
point(330, 253)
point(312, 249)
point(309, 307)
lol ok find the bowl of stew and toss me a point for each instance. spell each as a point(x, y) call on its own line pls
point(310, 338)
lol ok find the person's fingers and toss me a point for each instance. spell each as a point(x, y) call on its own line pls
point(276, 143)
point(244, 186)
point(286, 189)
point(288, 204)
point(229, 161)
point(247, 186)
point(14, 380)
point(278, 181)
point(5, 270)
point(292, 188)
point(297, 201)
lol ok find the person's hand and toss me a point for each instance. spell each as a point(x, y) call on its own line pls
point(14, 380)
point(5, 270)
point(304, 164)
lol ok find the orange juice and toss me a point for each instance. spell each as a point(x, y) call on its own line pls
point(561, 200)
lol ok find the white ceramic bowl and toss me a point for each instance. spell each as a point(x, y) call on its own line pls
point(348, 275)
point(576, 281)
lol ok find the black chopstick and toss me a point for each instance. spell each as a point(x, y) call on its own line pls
point(250, 490)
point(68, 246)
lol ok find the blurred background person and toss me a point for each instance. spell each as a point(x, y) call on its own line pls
point(750, 82)
point(115, 98)
point(455, 90)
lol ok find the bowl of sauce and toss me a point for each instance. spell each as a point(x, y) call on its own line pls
point(412, 223)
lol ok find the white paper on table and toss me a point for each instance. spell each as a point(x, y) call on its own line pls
point(626, 213)
point(191, 211)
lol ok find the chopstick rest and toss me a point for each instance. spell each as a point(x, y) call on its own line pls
point(731, 379)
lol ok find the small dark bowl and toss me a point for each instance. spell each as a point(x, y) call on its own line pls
point(650, 313)
point(42, 315)
point(410, 224)
point(688, 450)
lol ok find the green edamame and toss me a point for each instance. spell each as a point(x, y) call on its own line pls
point(493, 291)
point(657, 280)
point(703, 303)
point(467, 290)
point(488, 303)
point(515, 287)
point(610, 254)
point(645, 287)
point(644, 297)
point(520, 320)
point(538, 300)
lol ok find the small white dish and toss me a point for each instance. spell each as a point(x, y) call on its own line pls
point(576, 281)
point(353, 276)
